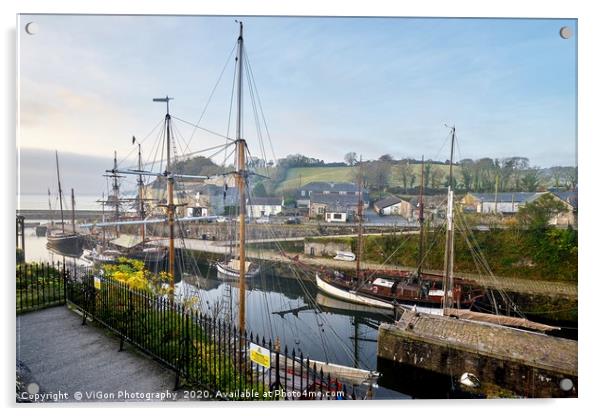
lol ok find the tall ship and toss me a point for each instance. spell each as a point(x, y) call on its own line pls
point(61, 239)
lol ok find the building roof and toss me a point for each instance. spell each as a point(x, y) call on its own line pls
point(570, 197)
point(127, 241)
point(334, 201)
point(265, 200)
point(330, 187)
point(517, 197)
point(386, 202)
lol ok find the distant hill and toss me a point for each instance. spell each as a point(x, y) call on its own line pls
point(296, 177)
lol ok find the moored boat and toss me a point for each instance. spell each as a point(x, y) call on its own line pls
point(231, 269)
point(391, 288)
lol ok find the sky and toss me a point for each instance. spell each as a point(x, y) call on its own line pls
point(327, 86)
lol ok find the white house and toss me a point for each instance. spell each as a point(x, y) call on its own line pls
point(336, 215)
point(258, 207)
point(501, 203)
point(388, 206)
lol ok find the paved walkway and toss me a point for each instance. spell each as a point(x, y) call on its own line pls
point(60, 355)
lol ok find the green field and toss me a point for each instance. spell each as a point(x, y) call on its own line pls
point(296, 177)
point(441, 173)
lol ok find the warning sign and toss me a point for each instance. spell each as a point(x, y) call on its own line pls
point(97, 283)
point(260, 355)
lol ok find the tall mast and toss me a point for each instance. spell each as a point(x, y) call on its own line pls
point(116, 191)
point(421, 219)
point(448, 283)
point(58, 176)
point(170, 202)
point(140, 193)
point(104, 235)
point(73, 209)
point(360, 231)
point(241, 182)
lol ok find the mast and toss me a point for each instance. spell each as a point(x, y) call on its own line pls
point(73, 210)
point(170, 201)
point(360, 234)
point(140, 193)
point(116, 191)
point(421, 219)
point(448, 282)
point(241, 179)
point(58, 176)
point(50, 213)
point(104, 235)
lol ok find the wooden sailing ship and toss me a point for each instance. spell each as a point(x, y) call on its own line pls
point(136, 247)
point(62, 240)
point(389, 289)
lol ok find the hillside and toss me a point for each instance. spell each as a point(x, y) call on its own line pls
point(296, 177)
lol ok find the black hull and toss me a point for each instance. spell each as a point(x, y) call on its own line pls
point(41, 230)
point(69, 245)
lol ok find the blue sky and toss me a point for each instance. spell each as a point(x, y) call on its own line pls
point(327, 85)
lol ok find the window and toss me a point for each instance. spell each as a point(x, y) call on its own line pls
point(337, 216)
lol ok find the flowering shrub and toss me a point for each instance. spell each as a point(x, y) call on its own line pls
point(132, 273)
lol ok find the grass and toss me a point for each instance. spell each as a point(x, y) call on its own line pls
point(441, 171)
point(296, 177)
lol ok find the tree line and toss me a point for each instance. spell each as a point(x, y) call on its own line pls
point(512, 174)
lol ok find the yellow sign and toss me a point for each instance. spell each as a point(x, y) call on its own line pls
point(97, 283)
point(260, 355)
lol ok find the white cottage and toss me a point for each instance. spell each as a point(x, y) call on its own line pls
point(258, 207)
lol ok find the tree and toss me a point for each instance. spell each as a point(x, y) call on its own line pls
point(259, 190)
point(386, 158)
point(530, 180)
point(557, 173)
point(428, 167)
point(405, 170)
point(571, 178)
point(378, 174)
point(350, 158)
point(536, 215)
point(467, 172)
point(435, 178)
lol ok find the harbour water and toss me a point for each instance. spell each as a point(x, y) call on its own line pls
point(282, 307)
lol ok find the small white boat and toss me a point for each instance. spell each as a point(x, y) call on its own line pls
point(345, 256)
point(231, 269)
point(469, 380)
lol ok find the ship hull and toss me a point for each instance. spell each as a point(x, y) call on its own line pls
point(66, 243)
point(349, 296)
point(225, 272)
point(361, 298)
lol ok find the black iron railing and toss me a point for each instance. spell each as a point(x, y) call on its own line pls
point(39, 286)
point(204, 352)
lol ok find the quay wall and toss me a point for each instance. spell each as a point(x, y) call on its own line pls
point(503, 359)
